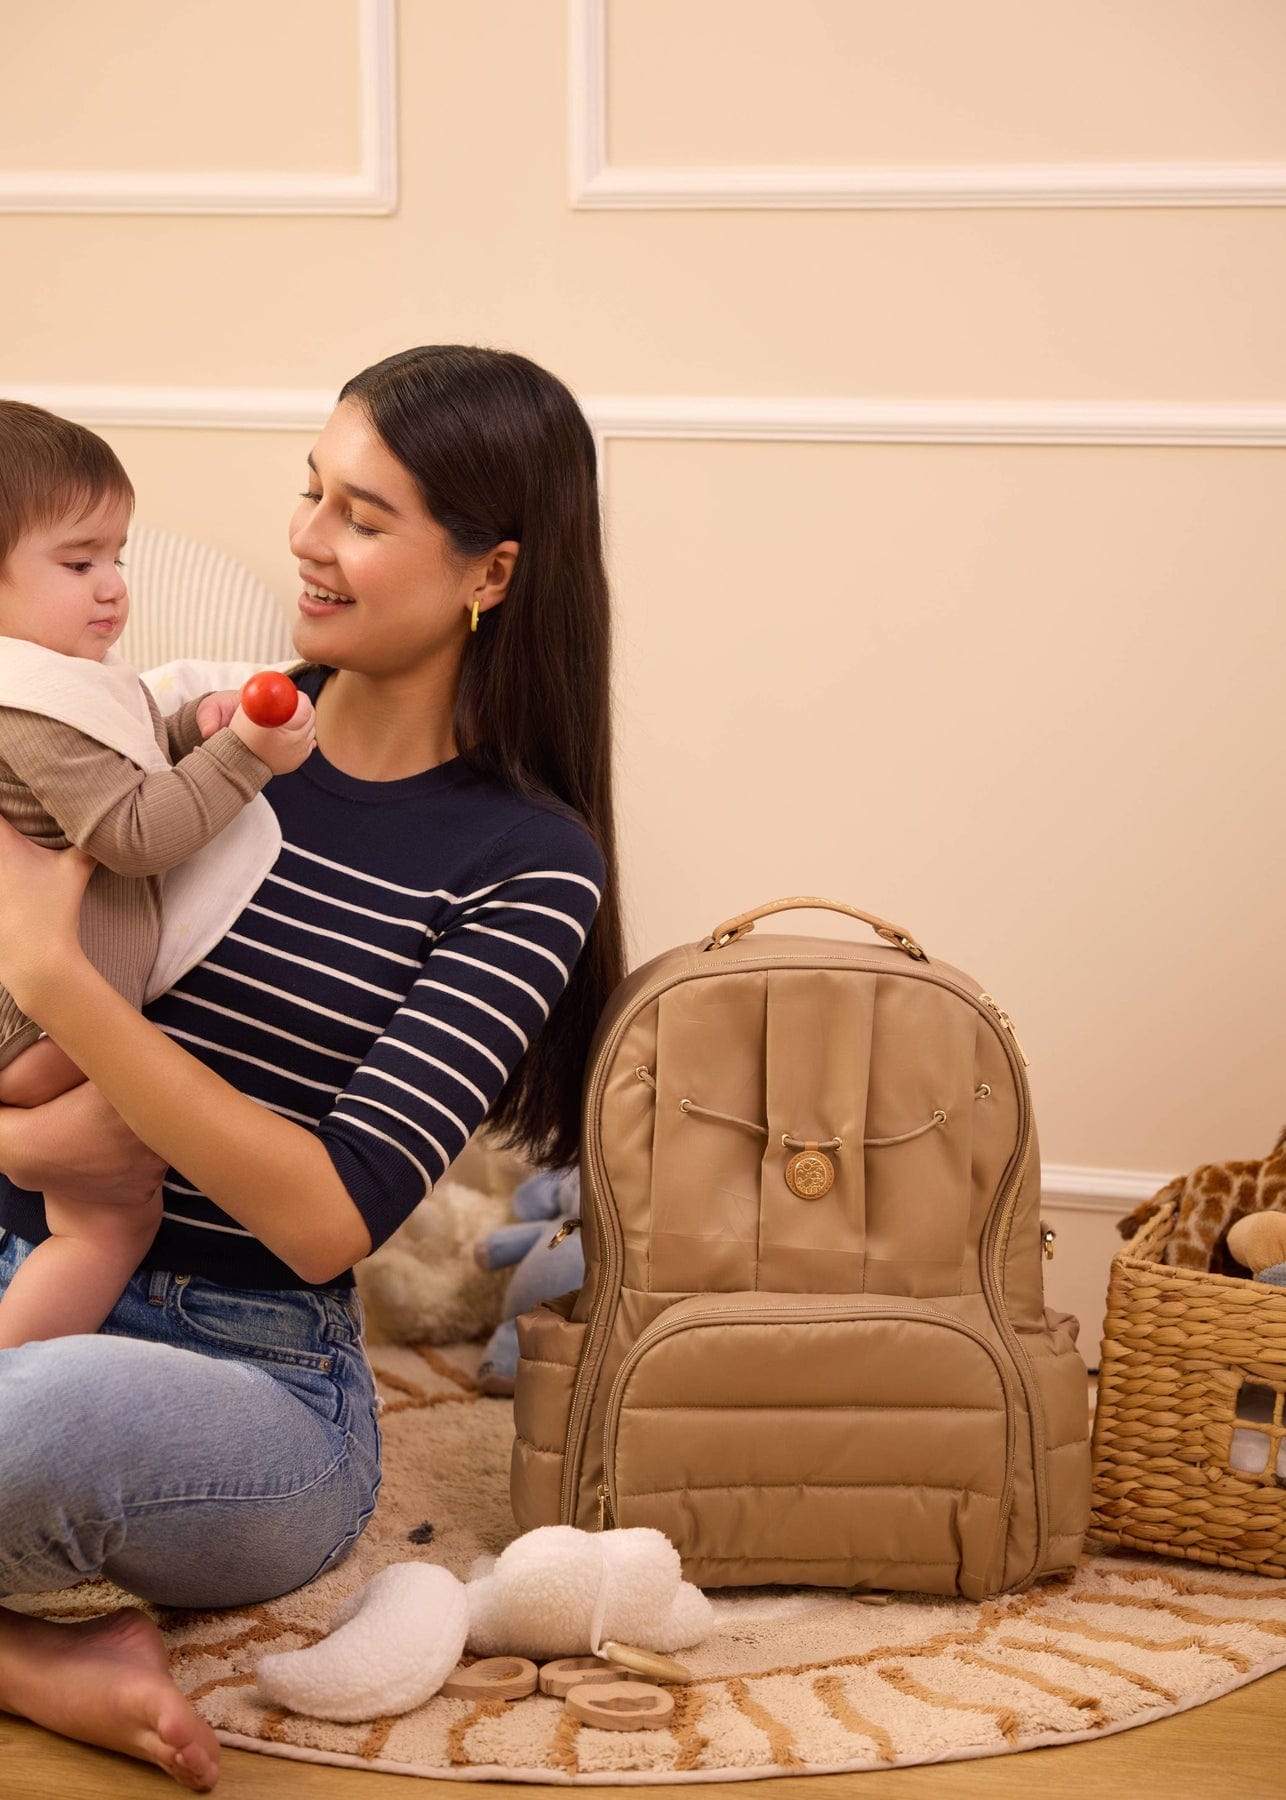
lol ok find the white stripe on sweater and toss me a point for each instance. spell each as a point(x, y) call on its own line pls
point(304, 962)
point(413, 1012)
point(367, 912)
point(390, 887)
point(256, 1062)
point(205, 1224)
point(394, 1043)
point(532, 875)
point(536, 949)
point(228, 1012)
point(338, 937)
point(266, 987)
point(472, 999)
point(395, 1081)
point(364, 1125)
point(548, 912)
point(500, 975)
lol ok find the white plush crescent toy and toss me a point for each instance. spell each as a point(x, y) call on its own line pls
point(553, 1592)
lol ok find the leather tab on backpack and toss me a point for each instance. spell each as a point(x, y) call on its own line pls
point(810, 1173)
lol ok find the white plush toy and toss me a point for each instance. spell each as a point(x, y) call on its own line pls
point(553, 1592)
point(424, 1285)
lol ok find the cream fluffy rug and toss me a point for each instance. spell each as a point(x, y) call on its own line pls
point(791, 1683)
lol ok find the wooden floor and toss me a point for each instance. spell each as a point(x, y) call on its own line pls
point(1231, 1749)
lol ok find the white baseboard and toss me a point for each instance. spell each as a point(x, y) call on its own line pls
point(1067, 1188)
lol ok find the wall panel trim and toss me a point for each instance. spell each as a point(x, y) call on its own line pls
point(1065, 1187)
point(771, 418)
point(372, 188)
point(597, 185)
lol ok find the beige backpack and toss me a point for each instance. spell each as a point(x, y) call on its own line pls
point(811, 1345)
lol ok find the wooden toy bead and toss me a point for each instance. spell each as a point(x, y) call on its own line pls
point(494, 1678)
point(621, 1705)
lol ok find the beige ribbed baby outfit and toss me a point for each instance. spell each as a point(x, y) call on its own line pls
point(60, 787)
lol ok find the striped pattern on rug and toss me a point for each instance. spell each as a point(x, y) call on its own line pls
point(790, 1683)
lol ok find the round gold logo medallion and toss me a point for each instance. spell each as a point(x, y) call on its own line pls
point(810, 1174)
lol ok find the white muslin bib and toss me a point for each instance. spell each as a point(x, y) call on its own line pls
point(201, 897)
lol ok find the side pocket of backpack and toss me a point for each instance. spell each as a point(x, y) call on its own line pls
point(549, 1347)
point(1063, 1383)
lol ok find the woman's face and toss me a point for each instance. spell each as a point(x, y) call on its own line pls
point(384, 590)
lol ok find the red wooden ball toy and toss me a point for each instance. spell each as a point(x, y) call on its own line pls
point(269, 698)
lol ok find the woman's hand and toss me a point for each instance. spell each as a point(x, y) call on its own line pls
point(40, 895)
point(79, 1146)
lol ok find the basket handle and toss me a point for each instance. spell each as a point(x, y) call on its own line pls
point(733, 929)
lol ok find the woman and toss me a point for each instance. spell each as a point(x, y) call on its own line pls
point(429, 950)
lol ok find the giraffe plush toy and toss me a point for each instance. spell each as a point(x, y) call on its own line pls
point(1211, 1200)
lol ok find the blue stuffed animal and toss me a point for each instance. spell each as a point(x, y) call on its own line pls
point(545, 1204)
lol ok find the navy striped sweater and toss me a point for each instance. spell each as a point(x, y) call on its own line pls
point(379, 989)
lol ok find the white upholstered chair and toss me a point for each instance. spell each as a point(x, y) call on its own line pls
point(187, 599)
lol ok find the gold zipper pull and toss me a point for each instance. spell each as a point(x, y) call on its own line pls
point(604, 1506)
point(1008, 1025)
point(564, 1230)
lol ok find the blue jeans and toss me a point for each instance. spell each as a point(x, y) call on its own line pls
point(208, 1447)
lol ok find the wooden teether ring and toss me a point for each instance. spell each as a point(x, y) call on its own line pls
point(494, 1678)
point(647, 1663)
point(567, 1672)
point(621, 1705)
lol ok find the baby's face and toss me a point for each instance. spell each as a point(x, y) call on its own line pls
point(62, 585)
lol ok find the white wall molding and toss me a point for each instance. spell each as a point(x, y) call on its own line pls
point(825, 420)
point(730, 418)
point(595, 184)
point(372, 188)
point(181, 408)
point(1066, 1188)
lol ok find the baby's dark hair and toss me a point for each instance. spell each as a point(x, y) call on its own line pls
point(50, 467)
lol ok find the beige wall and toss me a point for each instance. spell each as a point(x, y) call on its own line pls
point(1023, 697)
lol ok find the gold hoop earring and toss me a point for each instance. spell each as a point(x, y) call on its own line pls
point(473, 623)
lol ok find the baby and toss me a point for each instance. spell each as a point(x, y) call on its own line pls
point(65, 508)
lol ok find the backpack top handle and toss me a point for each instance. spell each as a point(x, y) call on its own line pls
point(733, 929)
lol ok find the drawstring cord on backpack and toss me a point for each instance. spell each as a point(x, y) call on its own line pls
point(795, 1143)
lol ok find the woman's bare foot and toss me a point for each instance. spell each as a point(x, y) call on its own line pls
point(106, 1682)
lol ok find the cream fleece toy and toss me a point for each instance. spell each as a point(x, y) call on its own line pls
point(553, 1592)
point(424, 1285)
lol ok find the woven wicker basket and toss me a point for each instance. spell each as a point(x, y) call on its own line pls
point(1177, 1346)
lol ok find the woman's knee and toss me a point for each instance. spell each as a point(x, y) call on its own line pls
point(191, 1481)
point(237, 1552)
point(60, 1504)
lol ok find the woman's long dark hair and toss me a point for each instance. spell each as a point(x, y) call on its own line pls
point(500, 449)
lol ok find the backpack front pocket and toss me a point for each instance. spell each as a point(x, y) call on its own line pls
point(549, 1347)
point(784, 1438)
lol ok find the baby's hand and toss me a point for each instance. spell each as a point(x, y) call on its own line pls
point(282, 747)
point(216, 711)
